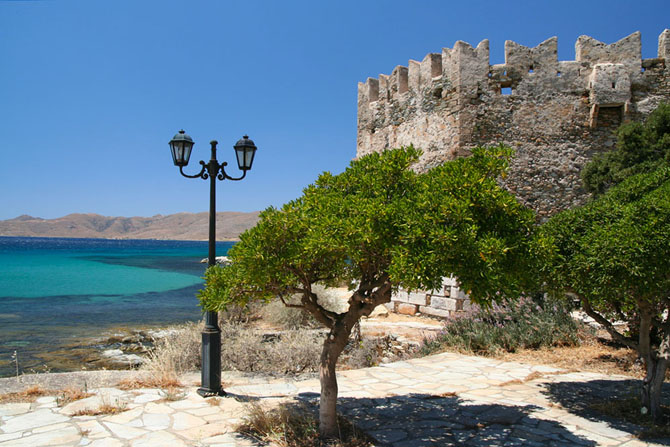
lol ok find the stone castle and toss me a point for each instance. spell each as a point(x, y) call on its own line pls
point(555, 114)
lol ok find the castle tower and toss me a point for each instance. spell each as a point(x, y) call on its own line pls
point(555, 114)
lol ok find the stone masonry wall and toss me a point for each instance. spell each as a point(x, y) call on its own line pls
point(437, 303)
point(556, 114)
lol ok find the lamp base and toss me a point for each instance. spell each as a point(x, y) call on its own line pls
point(206, 392)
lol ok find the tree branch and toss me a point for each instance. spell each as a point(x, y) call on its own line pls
point(324, 316)
point(287, 304)
point(609, 327)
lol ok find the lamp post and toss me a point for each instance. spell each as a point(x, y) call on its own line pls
point(245, 149)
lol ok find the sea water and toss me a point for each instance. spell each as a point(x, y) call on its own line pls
point(55, 292)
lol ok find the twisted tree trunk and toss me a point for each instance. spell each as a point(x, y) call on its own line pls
point(332, 348)
point(656, 362)
point(652, 386)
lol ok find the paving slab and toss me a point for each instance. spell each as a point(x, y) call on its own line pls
point(443, 400)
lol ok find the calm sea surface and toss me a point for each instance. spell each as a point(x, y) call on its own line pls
point(55, 292)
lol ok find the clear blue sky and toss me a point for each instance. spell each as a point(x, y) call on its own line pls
point(91, 91)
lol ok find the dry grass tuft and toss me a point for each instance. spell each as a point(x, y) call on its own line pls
point(172, 394)
point(30, 394)
point(71, 394)
point(532, 376)
point(104, 409)
point(164, 382)
point(172, 356)
point(214, 401)
point(295, 425)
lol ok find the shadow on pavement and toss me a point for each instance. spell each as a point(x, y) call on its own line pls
point(421, 420)
point(579, 398)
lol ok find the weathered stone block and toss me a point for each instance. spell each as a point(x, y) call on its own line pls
point(400, 296)
point(406, 309)
point(443, 303)
point(417, 298)
point(432, 311)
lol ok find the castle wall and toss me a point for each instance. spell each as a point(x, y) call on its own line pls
point(555, 114)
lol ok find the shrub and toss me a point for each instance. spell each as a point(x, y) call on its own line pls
point(288, 352)
point(241, 313)
point(282, 317)
point(524, 324)
point(172, 355)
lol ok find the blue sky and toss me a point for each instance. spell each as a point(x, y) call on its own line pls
point(91, 91)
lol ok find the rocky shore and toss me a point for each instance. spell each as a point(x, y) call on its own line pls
point(118, 349)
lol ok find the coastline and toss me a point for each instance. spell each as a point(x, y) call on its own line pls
point(120, 238)
point(121, 348)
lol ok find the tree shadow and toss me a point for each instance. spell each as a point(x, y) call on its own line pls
point(584, 399)
point(422, 420)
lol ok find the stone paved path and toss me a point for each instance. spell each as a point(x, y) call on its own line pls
point(442, 400)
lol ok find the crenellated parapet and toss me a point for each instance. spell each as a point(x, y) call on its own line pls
point(557, 114)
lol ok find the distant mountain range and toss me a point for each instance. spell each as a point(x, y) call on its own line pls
point(181, 226)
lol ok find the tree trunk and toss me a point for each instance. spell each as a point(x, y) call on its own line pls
point(332, 347)
point(656, 362)
point(651, 387)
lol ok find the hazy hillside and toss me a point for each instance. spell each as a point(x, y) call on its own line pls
point(181, 226)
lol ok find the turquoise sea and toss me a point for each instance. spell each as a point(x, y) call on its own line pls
point(56, 292)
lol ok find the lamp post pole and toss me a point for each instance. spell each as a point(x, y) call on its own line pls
point(245, 149)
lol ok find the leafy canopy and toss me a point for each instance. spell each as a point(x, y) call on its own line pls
point(640, 148)
point(380, 222)
point(615, 251)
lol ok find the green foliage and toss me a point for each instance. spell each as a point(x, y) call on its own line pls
point(381, 221)
point(616, 249)
point(463, 223)
point(640, 148)
point(507, 328)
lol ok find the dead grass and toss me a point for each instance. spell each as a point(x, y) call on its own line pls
point(592, 355)
point(71, 394)
point(166, 381)
point(628, 410)
point(441, 395)
point(30, 394)
point(104, 409)
point(295, 425)
point(532, 376)
point(171, 395)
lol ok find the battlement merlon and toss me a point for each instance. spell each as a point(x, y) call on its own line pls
point(664, 46)
point(627, 51)
point(540, 59)
point(465, 66)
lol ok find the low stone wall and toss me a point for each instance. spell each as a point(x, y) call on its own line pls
point(441, 303)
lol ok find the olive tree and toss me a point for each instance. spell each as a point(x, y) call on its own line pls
point(614, 255)
point(379, 226)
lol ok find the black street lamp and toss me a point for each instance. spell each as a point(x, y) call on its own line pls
point(245, 149)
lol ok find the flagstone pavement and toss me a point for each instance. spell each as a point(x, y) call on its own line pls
point(442, 400)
